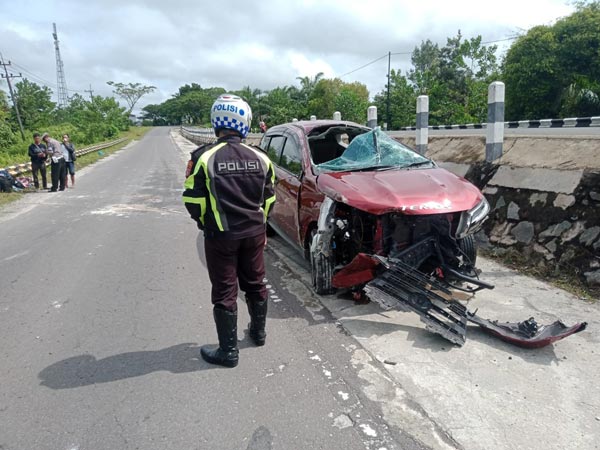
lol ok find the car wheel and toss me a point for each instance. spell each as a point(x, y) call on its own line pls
point(321, 271)
point(468, 249)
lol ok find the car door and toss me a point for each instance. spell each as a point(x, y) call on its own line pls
point(288, 170)
point(287, 189)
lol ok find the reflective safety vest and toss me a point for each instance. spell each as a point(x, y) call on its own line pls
point(230, 189)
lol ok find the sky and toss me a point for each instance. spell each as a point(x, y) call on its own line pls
point(235, 43)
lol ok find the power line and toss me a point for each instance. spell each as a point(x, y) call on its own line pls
point(387, 55)
point(34, 76)
point(368, 64)
point(511, 38)
point(43, 81)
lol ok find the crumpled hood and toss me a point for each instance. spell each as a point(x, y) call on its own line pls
point(413, 192)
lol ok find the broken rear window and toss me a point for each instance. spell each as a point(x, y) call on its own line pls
point(374, 150)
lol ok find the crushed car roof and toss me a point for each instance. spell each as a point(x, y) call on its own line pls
point(308, 125)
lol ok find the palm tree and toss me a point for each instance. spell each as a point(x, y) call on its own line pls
point(308, 84)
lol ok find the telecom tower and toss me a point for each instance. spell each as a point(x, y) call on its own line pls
point(63, 98)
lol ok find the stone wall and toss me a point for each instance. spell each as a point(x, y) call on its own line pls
point(559, 230)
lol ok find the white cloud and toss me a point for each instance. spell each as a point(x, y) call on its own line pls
point(303, 66)
point(269, 43)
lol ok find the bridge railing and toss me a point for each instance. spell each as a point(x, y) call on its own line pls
point(21, 169)
point(199, 136)
point(572, 122)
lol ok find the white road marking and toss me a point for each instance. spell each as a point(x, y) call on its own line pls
point(18, 255)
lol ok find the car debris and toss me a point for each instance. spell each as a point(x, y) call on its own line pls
point(439, 306)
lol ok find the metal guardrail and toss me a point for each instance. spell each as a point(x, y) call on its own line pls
point(573, 122)
point(198, 136)
point(20, 169)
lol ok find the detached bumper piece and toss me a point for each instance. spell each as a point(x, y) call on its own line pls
point(527, 334)
point(404, 288)
point(407, 289)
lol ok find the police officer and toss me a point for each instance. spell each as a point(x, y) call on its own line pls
point(229, 192)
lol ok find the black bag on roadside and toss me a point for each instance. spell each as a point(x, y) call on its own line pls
point(6, 181)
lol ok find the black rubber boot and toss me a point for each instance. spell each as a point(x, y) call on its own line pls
point(258, 318)
point(226, 354)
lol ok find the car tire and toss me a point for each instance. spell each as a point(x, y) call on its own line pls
point(469, 249)
point(321, 273)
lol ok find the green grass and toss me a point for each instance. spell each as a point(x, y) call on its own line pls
point(6, 198)
point(561, 277)
point(134, 133)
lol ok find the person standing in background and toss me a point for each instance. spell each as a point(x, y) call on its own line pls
point(58, 171)
point(68, 150)
point(37, 153)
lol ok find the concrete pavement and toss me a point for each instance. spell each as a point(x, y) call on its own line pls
point(486, 394)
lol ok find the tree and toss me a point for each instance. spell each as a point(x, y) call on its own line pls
point(554, 71)
point(455, 77)
point(321, 102)
point(403, 97)
point(130, 92)
point(190, 105)
point(352, 102)
point(35, 105)
point(7, 136)
point(426, 66)
point(307, 87)
point(532, 76)
point(278, 106)
point(578, 53)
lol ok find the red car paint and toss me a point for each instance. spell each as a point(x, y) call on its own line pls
point(360, 271)
point(412, 192)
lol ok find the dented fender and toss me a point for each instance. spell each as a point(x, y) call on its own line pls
point(321, 242)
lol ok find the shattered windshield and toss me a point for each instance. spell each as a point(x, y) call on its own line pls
point(373, 150)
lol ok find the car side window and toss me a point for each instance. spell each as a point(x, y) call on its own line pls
point(264, 142)
point(291, 158)
point(275, 147)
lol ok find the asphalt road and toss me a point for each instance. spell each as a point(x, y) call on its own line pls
point(105, 301)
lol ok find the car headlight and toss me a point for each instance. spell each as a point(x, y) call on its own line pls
point(471, 220)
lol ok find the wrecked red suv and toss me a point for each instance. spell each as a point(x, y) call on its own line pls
point(344, 189)
point(374, 216)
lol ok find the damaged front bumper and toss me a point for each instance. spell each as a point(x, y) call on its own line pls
point(402, 287)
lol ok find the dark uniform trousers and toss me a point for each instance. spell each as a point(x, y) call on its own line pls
point(58, 173)
point(39, 166)
point(231, 260)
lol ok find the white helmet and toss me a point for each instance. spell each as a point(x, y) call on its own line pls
point(231, 112)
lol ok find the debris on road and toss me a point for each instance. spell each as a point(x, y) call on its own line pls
point(439, 306)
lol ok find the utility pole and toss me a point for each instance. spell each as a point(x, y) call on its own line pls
point(8, 77)
point(387, 113)
point(91, 93)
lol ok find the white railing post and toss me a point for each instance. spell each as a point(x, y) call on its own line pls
point(422, 137)
point(495, 124)
point(372, 116)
